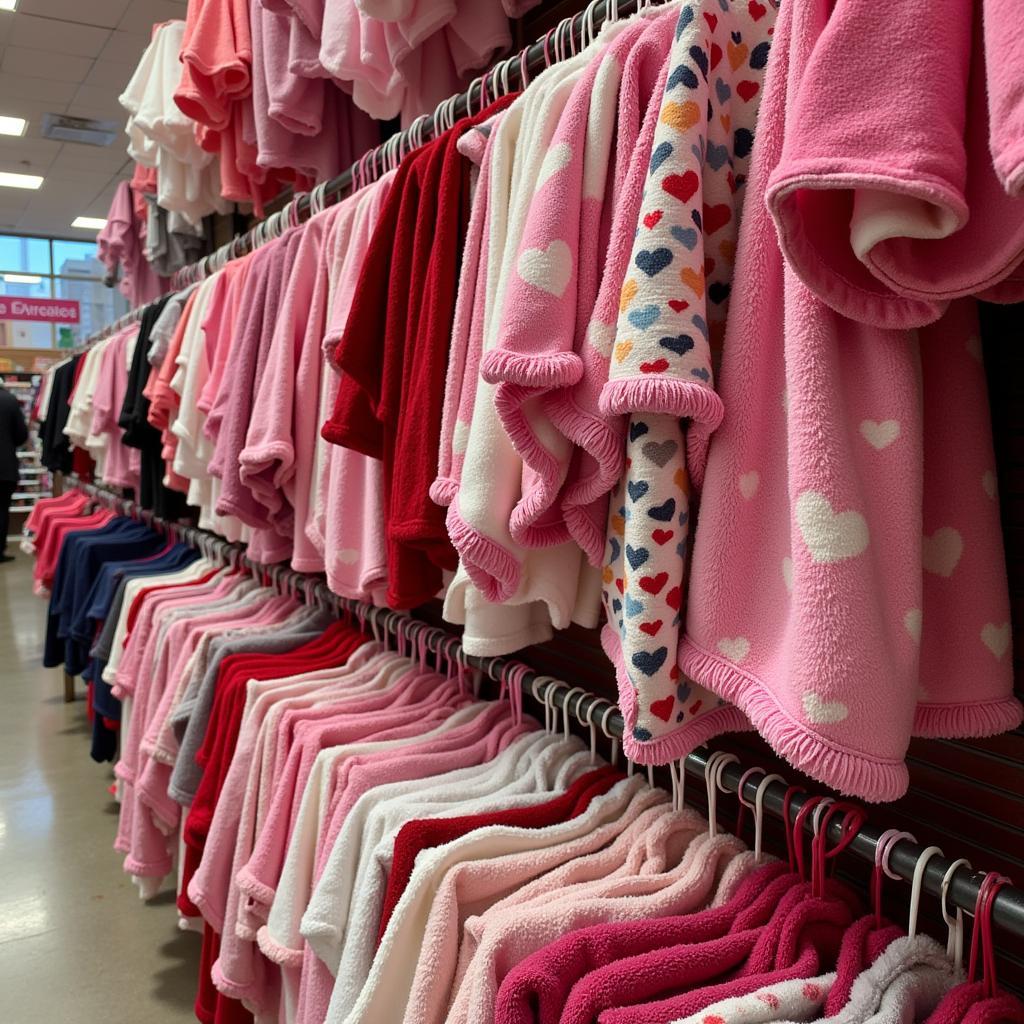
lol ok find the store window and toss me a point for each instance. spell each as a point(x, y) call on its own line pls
point(55, 268)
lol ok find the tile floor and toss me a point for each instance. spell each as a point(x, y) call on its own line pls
point(76, 944)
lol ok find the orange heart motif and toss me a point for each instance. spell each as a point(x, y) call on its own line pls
point(628, 293)
point(681, 116)
point(622, 349)
point(694, 280)
point(738, 53)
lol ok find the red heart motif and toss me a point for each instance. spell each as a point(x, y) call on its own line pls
point(663, 536)
point(811, 992)
point(709, 266)
point(663, 709)
point(673, 673)
point(653, 584)
point(621, 585)
point(716, 217)
point(651, 628)
point(747, 89)
point(716, 55)
point(695, 706)
point(658, 366)
point(712, 1018)
point(712, 20)
point(681, 186)
point(678, 304)
point(769, 999)
point(674, 598)
point(757, 11)
point(651, 219)
point(731, 179)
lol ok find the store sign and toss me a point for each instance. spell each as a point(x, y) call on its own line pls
point(43, 311)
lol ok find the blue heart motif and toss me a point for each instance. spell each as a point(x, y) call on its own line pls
point(640, 734)
point(661, 153)
point(697, 149)
point(642, 318)
point(636, 556)
point(695, 216)
point(722, 90)
point(627, 514)
point(736, 36)
point(681, 549)
point(663, 512)
point(637, 429)
point(633, 607)
point(650, 661)
point(699, 371)
point(683, 692)
point(717, 156)
point(616, 605)
point(680, 344)
point(685, 17)
point(683, 516)
point(700, 58)
point(759, 56)
point(653, 261)
point(613, 550)
point(698, 322)
point(682, 75)
point(637, 489)
point(742, 142)
point(686, 237)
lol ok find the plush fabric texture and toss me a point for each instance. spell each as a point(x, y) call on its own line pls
point(524, 854)
point(593, 890)
point(884, 221)
point(662, 318)
point(856, 522)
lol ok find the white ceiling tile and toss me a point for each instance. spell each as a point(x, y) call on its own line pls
point(142, 15)
point(106, 13)
point(124, 47)
point(19, 60)
point(58, 37)
point(40, 90)
point(110, 76)
point(97, 101)
point(105, 159)
point(28, 155)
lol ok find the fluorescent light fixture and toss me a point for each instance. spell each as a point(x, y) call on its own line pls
point(9, 180)
point(90, 223)
point(8, 5)
point(12, 125)
point(22, 278)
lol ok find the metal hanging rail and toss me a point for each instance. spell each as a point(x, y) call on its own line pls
point(1007, 907)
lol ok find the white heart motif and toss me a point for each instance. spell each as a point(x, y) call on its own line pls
point(991, 485)
point(942, 550)
point(556, 159)
point(880, 435)
point(749, 483)
point(824, 712)
point(830, 536)
point(996, 638)
point(547, 269)
point(734, 648)
point(460, 437)
point(601, 337)
point(787, 572)
point(912, 624)
point(348, 556)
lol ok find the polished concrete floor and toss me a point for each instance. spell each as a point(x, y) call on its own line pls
point(76, 943)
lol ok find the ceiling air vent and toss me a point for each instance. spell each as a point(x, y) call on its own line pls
point(79, 129)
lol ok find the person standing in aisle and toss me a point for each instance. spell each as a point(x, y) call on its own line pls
point(13, 434)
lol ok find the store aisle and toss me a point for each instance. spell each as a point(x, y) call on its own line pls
point(75, 942)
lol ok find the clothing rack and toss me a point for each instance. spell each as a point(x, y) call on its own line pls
point(903, 857)
point(513, 72)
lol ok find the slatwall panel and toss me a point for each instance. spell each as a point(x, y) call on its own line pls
point(966, 796)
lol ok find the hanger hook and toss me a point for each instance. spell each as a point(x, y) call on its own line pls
point(915, 886)
point(954, 922)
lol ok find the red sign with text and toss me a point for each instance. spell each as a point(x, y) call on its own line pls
point(45, 311)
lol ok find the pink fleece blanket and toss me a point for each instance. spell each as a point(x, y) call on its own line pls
point(847, 585)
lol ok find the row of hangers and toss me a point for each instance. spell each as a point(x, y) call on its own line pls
point(596, 716)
